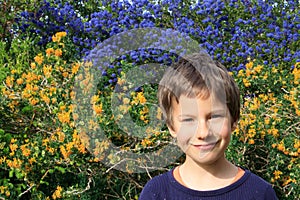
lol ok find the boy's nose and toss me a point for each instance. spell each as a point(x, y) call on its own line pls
point(202, 130)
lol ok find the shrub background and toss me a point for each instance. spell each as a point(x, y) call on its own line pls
point(43, 155)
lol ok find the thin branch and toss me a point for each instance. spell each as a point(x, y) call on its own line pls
point(298, 123)
point(116, 165)
point(76, 192)
point(28, 189)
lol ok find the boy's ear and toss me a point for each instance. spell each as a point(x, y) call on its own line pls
point(172, 132)
point(234, 125)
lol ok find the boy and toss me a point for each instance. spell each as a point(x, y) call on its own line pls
point(201, 105)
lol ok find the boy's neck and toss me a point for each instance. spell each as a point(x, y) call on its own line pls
point(209, 176)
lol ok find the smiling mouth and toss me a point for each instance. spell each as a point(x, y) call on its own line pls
point(206, 147)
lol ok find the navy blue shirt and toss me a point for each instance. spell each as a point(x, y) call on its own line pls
point(248, 187)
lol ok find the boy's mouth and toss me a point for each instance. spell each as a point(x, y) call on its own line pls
point(205, 146)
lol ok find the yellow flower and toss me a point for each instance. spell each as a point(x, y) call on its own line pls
point(296, 73)
point(139, 99)
point(47, 69)
point(265, 76)
point(277, 174)
point(9, 81)
point(297, 144)
point(61, 136)
point(249, 65)
point(64, 152)
point(39, 59)
point(33, 65)
point(13, 147)
point(25, 150)
point(159, 114)
point(280, 146)
point(248, 72)
point(75, 68)
point(58, 52)
point(288, 180)
point(267, 120)
point(95, 99)
point(15, 163)
point(45, 98)
point(65, 74)
point(251, 141)
point(97, 108)
point(33, 101)
point(49, 51)
point(13, 71)
point(64, 117)
point(57, 37)
point(275, 132)
point(274, 70)
point(258, 68)
point(241, 73)
point(57, 193)
point(32, 160)
point(20, 81)
point(121, 81)
point(246, 82)
point(126, 100)
point(251, 132)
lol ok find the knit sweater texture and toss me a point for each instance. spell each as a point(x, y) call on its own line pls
point(248, 187)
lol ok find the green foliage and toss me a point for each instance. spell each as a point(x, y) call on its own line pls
point(267, 138)
point(44, 155)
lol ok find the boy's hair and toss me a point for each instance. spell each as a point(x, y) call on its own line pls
point(197, 75)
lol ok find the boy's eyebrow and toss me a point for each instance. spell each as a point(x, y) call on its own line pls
point(222, 111)
point(186, 115)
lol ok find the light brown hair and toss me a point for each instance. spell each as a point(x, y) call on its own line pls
point(197, 75)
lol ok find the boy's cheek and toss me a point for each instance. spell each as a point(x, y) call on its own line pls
point(184, 134)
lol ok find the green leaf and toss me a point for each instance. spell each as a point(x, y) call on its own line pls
point(11, 173)
point(27, 109)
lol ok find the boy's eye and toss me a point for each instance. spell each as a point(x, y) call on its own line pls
point(187, 120)
point(216, 116)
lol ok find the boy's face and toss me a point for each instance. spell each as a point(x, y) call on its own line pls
point(202, 128)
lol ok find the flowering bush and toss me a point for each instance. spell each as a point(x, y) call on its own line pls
point(48, 151)
point(42, 155)
point(50, 160)
point(267, 137)
point(231, 31)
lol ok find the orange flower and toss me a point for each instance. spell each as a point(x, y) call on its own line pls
point(246, 82)
point(64, 117)
point(57, 193)
point(13, 147)
point(15, 163)
point(47, 70)
point(97, 108)
point(49, 51)
point(33, 101)
point(25, 150)
point(39, 59)
point(280, 146)
point(75, 68)
point(249, 65)
point(251, 141)
point(20, 81)
point(277, 174)
point(57, 37)
point(65, 74)
point(33, 65)
point(58, 52)
point(64, 152)
point(9, 81)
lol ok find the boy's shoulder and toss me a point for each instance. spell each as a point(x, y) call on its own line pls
point(156, 187)
point(249, 186)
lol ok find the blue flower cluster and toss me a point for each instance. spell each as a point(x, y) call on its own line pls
point(230, 31)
